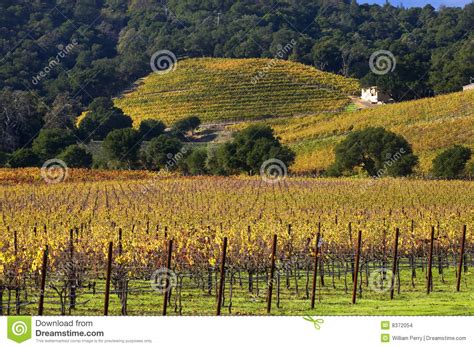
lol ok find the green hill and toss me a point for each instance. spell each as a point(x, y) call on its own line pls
point(219, 90)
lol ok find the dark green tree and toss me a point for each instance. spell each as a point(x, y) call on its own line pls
point(163, 152)
point(63, 112)
point(195, 162)
point(76, 156)
point(251, 147)
point(102, 118)
point(451, 163)
point(50, 142)
point(20, 119)
point(3, 158)
point(23, 158)
point(86, 10)
point(150, 129)
point(377, 151)
point(121, 147)
point(217, 161)
point(185, 125)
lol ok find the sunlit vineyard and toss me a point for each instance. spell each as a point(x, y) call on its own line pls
point(430, 125)
point(77, 220)
point(33, 175)
point(236, 89)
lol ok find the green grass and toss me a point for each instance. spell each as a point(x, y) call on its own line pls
point(444, 300)
point(351, 107)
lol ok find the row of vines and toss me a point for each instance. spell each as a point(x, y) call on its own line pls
point(236, 89)
point(78, 221)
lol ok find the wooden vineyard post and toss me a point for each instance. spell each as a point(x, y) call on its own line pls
point(15, 242)
point(168, 269)
point(394, 266)
point(222, 280)
point(272, 274)
point(315, 272)
point(349, 226)
point(17, 290)
point(122, 283)
point(107, 281)
point(461, 256)
point(71, 272)
point(430, 261)
point(120, 241)
point(44, 269)
point(356, 271)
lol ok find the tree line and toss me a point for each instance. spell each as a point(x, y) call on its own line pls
point(105, 139)
point(78, 50)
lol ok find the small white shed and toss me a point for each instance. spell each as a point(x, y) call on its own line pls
point(468, 87)
point(374, 96)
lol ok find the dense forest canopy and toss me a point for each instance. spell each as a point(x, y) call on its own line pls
point(77, 50)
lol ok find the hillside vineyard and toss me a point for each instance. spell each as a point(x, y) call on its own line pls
point(220, 90)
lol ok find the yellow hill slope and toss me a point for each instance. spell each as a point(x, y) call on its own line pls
point(219, 90)
point(430, 125)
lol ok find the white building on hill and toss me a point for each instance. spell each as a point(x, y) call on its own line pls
point(468, 87)
point(374, 96)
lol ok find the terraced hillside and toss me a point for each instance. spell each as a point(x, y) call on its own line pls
point(430, 125)
point(237, 89)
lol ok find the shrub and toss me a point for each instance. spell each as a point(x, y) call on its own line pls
point(50, 142)
point(3, 158)
point(121, 147)
point(76, 157)
point(251, 147)
point(188, 124)
point(163, 151)
point(377, 151)
point(217, 160)
point(451, 163)
point(196, 161)
point(23, 158)
point(470, 170)
point(101, 119)
point(150, 129)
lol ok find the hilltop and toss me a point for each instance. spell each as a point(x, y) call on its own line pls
point(221, 89)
